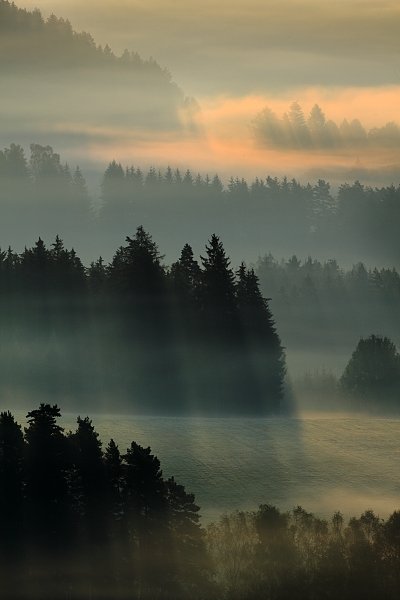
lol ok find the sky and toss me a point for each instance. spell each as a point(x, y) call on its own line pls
point(238, 56)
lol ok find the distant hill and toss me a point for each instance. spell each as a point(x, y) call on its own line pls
point(29, 39)
point(51, 73)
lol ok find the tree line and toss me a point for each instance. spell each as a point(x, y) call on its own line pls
point(369, 381)
point(297, 132)
point(33, 40)
point(271, 554)
point(357, 220)
point(321, 296)
point(198, 338)
point(80, 521)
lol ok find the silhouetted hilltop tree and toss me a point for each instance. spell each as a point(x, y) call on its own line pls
point(373, 372)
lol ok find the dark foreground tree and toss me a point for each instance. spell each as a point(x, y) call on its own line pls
point(79, 523)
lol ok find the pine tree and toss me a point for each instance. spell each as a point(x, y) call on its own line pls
point(185, 275)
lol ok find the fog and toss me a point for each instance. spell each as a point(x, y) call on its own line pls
point(59, 88)
point(199, 248)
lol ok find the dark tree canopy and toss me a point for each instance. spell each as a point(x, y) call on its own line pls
point(373, 372)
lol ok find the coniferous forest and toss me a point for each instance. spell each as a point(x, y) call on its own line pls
point(209, 274)
point(188, 338)
point(43, 193)
point(82, 522)
point(110, 314)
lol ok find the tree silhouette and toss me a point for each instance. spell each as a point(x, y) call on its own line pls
point(145, 517)
point(217, 296)
point(262, 341)
point(12, 451)
point(46, 480)
point(373, 371)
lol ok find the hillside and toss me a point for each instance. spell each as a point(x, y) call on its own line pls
point(56, 79)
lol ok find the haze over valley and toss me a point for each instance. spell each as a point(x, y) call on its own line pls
point(199, 248)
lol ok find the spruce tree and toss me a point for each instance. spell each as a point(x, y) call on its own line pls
point(185, 277)
point(261, 342)
point(217, 292)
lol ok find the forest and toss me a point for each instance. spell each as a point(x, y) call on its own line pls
point(296, 131)
point(318, 306)
point(134, 334)
point(41, 194)
point(193, 337)
point(48, 69)
point(80, 521)
point(217, 277)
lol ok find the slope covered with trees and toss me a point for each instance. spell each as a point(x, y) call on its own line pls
point(60, 83)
